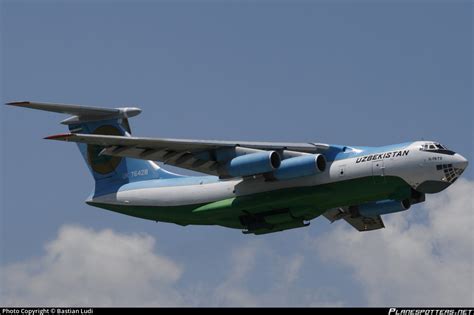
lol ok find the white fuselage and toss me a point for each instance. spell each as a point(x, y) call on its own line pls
point(408, 162)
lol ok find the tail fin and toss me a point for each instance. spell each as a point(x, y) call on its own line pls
point(109, 172)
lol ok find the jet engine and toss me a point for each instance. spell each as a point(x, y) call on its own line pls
point(252, 164)
point(383, 207)
point(300, 166)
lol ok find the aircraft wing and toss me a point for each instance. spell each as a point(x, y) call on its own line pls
point(360, 223)
point(195, 155)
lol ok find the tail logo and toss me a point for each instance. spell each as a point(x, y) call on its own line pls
point(103, 164)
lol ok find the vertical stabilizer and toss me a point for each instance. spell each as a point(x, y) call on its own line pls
point(109, 172)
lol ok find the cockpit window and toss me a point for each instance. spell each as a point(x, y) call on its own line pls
point(435, 147)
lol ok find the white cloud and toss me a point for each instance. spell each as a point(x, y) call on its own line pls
point(105, 268)
point(85, 267)
point(427, 263)
point(259, 276)
point(232, 291)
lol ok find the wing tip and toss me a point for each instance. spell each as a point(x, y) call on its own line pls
point(20, 103)
point(61, 136)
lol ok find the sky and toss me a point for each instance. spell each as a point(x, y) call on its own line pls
point(343, 72)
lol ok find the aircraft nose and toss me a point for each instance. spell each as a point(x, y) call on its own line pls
point(460, 161)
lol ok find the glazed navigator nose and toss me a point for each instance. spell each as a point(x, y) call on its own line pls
point(460, 162)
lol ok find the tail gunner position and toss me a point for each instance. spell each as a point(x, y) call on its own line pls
point(258, 187)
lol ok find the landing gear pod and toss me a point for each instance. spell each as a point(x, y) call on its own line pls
point(300, 166)
point(383, 207)
point(252, 164)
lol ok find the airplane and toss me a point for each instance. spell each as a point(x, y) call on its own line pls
point(256, 187)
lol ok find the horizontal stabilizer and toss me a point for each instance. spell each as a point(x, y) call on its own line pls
point(81, 113)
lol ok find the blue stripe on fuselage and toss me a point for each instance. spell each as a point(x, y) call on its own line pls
point(349, 153)
point(170, 182)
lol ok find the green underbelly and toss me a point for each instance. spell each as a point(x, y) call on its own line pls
point(310, 201)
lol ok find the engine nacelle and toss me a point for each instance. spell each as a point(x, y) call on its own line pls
point(252, 164)
point(383, 207)
point(300, 166)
